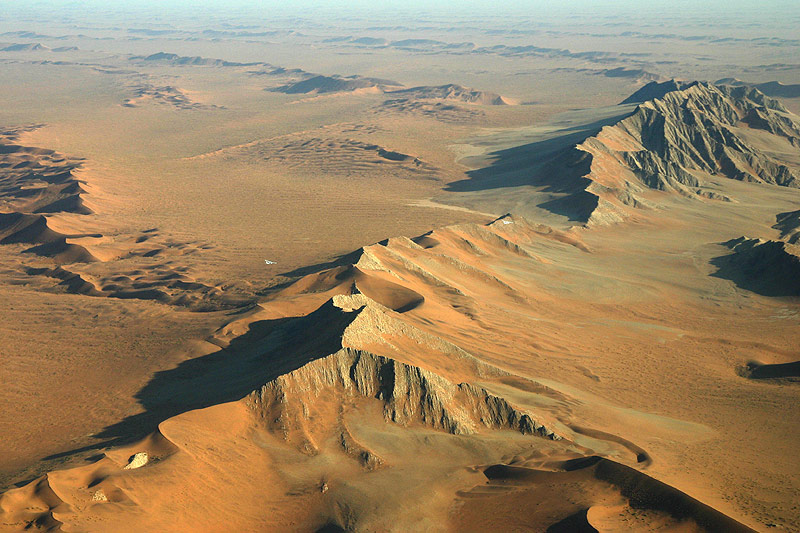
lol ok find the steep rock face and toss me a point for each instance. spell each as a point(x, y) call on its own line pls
point(408, 394)
point(672, 142)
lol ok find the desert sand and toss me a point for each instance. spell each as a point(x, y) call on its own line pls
point(399, 271)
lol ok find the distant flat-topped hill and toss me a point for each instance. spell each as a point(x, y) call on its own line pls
point(770, 88)
point(456, 93)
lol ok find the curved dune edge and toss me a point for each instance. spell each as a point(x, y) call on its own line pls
point(47, 217)
point(603, 495)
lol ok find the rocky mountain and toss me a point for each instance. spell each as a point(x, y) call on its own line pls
point(677, 142)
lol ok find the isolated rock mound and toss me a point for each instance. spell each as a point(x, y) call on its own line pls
point(27, 47)
point(175, 59)
point(453, 92)
point(770, 268)
point(333, 84)
point(789, 225)
point(634, 73)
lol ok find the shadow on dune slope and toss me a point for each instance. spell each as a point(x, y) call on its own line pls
point(665, 506)
point(269, 349)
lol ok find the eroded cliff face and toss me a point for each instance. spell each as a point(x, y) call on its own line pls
point(408, 394)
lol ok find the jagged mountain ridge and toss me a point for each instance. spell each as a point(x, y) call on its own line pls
point(671, 144)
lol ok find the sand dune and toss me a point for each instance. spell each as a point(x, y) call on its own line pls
point(35, 182)
point(329, 152)
point(604, 496)
point(38, 180)
point(38, 184)
point(196, 336)
point(348, 387)
point(163, 94)
point(442, 111)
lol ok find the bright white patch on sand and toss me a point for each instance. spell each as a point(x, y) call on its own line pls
point(137, 461)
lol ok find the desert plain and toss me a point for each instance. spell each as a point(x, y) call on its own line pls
point(338, 268)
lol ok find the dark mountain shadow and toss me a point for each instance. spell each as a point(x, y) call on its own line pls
point(269, 349)
point(764, 268)
point(552, 162)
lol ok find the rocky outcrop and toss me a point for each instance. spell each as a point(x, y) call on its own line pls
point(175, 59)
point(770, 88)
point(408, 393)
point(656, 89)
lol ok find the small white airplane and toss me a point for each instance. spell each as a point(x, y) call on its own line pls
point(267, 261)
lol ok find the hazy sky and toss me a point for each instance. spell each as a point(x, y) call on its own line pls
point(452, 6)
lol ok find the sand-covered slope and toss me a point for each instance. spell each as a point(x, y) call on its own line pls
point(46, 212)
point(426, 373)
